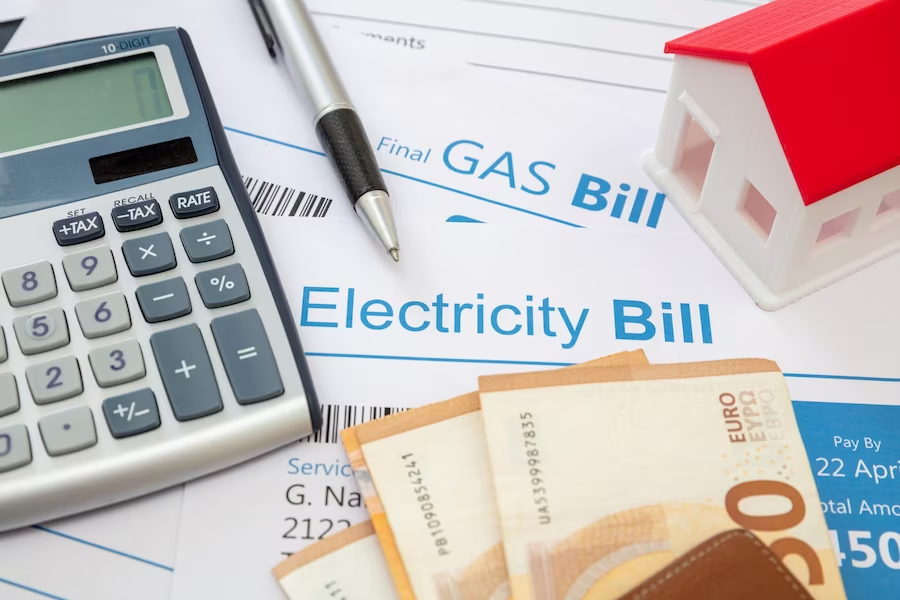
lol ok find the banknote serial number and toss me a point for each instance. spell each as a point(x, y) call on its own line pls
point(535, 473)
point(426, 506)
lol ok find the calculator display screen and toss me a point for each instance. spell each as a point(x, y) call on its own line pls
point(79, 101)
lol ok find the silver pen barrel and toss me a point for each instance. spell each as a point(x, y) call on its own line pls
point(287, 24)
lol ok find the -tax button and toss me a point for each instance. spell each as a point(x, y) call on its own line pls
point(194, 203)
point(80, 229)
point(131, 217)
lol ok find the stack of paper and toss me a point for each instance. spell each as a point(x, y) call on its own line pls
point(616, 479)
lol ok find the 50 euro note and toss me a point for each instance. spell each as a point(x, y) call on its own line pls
point(604, 476)
point(348, 565)
point(426, 481)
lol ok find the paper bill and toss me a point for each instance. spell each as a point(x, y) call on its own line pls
point(426, 482)
point(348, 564)
point(604, 476)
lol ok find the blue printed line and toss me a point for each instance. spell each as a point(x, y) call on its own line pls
point(539, 363)
point(30, 589)
point(485, 361)
point(843, 377)
point(417, 180)
point(274, 141)
point(104, 548)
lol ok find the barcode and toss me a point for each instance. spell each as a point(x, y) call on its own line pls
point(335, 418)
point(280, 201)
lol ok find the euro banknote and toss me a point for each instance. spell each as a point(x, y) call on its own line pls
point(605, 476)
point(348, 565)
point(426, 481)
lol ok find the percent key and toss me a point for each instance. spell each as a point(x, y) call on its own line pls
point(223, 286)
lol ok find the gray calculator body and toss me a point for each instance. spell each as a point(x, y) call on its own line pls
point(146, 339)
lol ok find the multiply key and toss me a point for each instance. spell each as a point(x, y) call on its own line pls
point(80, 229)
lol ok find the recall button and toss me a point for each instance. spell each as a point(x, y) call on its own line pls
point(80, 229)
point(131, 217)
point(194, 203)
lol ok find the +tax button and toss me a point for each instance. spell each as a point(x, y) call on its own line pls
point(80, 229)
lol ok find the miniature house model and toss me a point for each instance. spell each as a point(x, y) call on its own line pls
point(780, 141)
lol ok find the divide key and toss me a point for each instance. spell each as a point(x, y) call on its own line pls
point(194, 203)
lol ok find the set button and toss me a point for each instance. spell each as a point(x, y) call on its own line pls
point(77, 230)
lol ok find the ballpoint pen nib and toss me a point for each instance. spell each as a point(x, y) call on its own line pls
point(395, 254)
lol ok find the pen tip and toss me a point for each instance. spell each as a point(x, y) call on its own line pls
point(395, 254)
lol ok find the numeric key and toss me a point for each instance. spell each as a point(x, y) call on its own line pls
point(42, 331)
point(104, 315)
point(117, 363)
point(91, 268)
point(54, 380)
point(68, 431)
point(15, 448)
point(29, 284)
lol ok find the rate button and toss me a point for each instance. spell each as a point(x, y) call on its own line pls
point(194, 203)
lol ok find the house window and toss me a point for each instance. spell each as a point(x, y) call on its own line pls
point(758, 213)
point(889, 203)
point(696, 154)
point(838, 227)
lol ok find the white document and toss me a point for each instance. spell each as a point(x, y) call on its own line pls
point(363, 317)
point(13, 10)
point(127, 550)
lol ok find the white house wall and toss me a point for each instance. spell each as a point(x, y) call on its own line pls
point(871, 237)
point(747, 148)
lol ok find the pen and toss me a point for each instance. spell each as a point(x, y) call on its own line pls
point(286, 25)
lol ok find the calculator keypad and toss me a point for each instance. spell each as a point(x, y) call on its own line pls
point(149, 255)
point(131, 414)
point(68, 431)
point(9, 394)
point(90, 269)
point(15, 448)
point(104, 315)
point(210, 241)
point(223, 286)
point(61, 383)
point(42, 331)
point(164, 300)
point(117, 363)
point(29, 284)
point(54, 380)
point(186, 372)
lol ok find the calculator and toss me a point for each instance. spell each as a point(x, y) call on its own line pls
point(145, 338)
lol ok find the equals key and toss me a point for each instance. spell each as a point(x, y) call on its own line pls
point(140, 215)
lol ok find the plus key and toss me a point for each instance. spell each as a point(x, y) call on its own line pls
point(80, 229)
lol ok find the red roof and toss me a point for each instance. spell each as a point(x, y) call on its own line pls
point(829, 72)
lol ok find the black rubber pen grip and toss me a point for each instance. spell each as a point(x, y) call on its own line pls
point(342, 136)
